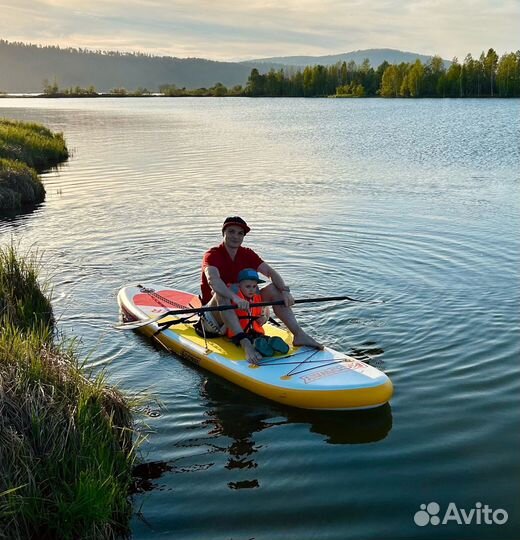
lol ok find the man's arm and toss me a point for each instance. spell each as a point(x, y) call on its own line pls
point(221, 289)
point(278, 282)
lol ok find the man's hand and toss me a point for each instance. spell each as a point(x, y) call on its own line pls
point(287, 298)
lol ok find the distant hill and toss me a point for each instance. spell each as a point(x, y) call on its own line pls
point(23, 68)
point(375, 56)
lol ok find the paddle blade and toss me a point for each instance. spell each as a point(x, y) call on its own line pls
point(133, 325)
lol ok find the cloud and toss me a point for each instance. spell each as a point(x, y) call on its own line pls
point(233, 28)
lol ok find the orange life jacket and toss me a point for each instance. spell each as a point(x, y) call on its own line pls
point(247, 320)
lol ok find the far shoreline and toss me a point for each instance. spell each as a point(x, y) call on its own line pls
point(157, 95)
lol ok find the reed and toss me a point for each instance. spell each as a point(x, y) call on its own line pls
point(24, 302)
point(67, 445)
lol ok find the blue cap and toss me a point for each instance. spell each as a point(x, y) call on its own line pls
point(249, 273)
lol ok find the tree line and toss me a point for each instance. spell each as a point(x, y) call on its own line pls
point(487, 76)
point(167, 90)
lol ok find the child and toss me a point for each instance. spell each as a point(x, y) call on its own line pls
point(252, 321)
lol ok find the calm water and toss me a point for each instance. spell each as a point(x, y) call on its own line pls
point(414, 202)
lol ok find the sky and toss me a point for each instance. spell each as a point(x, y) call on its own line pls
point(246, 29)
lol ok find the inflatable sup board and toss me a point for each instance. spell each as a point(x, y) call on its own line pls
point(304, 377)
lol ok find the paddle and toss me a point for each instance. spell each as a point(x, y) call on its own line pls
point(138, 324)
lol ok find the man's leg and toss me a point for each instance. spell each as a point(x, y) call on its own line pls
point(286, 315)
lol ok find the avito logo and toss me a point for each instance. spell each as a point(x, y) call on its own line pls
point(481, 514)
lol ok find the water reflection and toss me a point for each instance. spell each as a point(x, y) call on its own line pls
point(17, 216)
point(238, 415)
point(369, 353)
point(233, 416)
point(347, 427)
point(145, 473)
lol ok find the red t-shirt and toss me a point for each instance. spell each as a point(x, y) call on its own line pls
point(227, 267)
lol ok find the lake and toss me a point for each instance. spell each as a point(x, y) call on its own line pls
point(415, 202)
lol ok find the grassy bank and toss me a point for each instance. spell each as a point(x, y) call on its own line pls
point(19, 185)
point(66, 437)
point(25, 149)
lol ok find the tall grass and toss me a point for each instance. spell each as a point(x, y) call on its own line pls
point(23, 302)
point(66, 436)
point(24, 149)
point(32, 144)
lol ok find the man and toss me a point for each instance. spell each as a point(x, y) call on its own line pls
point(220, 268)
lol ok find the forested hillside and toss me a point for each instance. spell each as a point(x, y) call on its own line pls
point(24, 67)
point(56, 71)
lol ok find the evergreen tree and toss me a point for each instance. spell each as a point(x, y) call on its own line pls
point(454, 80)
point(308, 82)
point(490, 67)
point(433, 71)
point(343, 74)
point(255, 84)
point(297, 85)
point(320, 80)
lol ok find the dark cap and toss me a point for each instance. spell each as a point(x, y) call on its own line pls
point(249, 273)
point(235, 220)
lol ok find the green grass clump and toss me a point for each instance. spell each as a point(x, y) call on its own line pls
point(32, 144)
point(24, 149)
point(66, 436)
point(19, 185)
point(23, 304)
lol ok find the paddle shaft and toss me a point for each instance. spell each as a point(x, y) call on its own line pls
point(257, 304)
point(138, 324)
